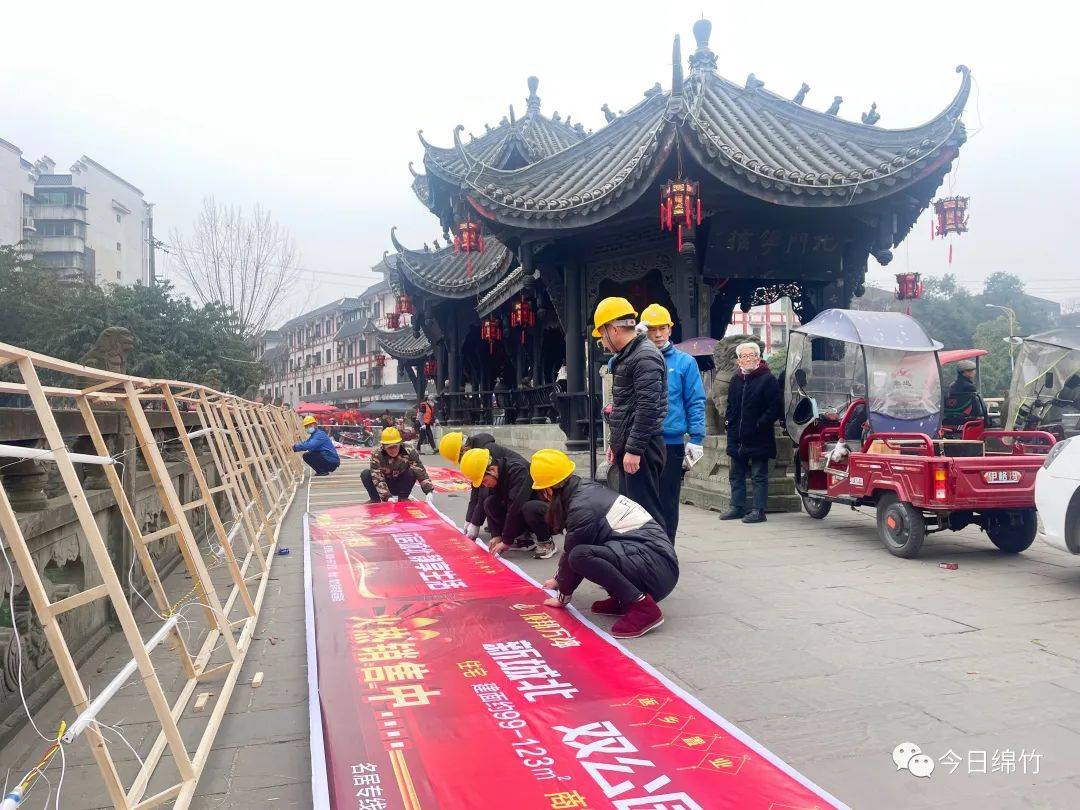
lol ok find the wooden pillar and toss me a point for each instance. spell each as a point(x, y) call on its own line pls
point(576, 324)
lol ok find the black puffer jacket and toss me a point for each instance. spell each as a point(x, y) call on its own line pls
point(753, 404)
point(639, 397)
point(474, 512)
point(646, 555)
point(514, 489)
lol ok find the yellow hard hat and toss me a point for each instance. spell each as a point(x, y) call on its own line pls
point(450, 446)
point(390, 435)
point(611, 309)
point(656, 315)
point(550, 468)
point(310, 420)
point(474, 464)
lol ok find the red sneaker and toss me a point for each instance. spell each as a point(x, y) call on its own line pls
point(608, 607)
point(640, 617)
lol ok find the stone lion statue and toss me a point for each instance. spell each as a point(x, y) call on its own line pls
point(724, 364)
point(110, 351)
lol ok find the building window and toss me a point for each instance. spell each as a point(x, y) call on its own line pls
point(339, 378)
point(118, 246)
point(318, 386)
point(329, 388)
point(308, 388)
point(117, 275)
point(375, 310)
point(318, 358)
point(117, 217)
point(351, 382)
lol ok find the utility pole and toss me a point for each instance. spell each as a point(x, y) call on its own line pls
point(153, 244)
point(1012, 331)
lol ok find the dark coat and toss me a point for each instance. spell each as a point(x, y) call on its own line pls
point(639, 398)
point(513, 491)
point(646, 555)
point(754, 403)
point(963, 402)
point(474, 512)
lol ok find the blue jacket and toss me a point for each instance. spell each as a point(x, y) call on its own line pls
point(319, 443)
point(686, 398)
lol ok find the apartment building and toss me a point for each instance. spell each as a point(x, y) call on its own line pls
point(87, 224)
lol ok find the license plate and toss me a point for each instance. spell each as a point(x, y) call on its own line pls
point(1001, 476)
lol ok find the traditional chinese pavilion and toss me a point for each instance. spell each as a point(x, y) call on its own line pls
point(702, 197)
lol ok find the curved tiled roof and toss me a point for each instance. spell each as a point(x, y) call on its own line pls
point(747, 137)
point(445, 273)
point(501, 292)
point(403, 344)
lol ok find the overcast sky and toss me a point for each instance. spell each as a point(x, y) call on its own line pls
point(312, 108)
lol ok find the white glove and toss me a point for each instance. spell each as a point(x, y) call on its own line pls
point(430, 497)
point(392, 499)
point(472, 531)
point(692, 455)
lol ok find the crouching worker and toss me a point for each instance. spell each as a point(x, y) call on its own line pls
point(395, 469)
point(610, 540)
point(511, 507)
point(318, 449)
point(452, 447)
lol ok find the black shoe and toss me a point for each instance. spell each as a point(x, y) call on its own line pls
point(321, 475)
point(755, 516)
point(732, 514)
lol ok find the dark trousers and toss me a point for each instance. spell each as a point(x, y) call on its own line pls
point(474, 512)
point(319, 463)
point(534, 514)
point(600, 564)
point(401, 485)
point(670, 487)
point(643, 487)
point(758, 469)
point(425, 433)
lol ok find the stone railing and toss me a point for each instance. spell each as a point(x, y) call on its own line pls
point(58, 548)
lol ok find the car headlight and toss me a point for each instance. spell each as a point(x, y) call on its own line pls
point(1055, 451)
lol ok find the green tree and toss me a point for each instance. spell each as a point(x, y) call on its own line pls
point(994, 370)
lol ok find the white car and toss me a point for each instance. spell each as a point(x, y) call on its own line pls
point(1057, 496)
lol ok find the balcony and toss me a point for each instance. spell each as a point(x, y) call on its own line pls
point(59, 244)
point(28, 224)
point(60, 212)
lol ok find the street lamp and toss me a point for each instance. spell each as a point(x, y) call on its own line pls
point(1012, 330)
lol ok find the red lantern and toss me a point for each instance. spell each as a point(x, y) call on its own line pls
point(951, 214)
point(405, 305)
point(379, 360)
point(680, 207)
point(393, 320)
point(522, 316)
point(468, 240)
point(908, 286)
point(491, 331)
point(431, 368)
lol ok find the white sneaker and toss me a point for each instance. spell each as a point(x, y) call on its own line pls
point(545, 550)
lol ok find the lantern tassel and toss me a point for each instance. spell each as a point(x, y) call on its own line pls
point(468, 266)
point(678, 240)
point(699, 211)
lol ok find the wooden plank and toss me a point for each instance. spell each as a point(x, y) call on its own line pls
point(256, 682)
point(157, 535)
point(162, 797)
point(78, 600)
point(202, 700)
point(195, 504)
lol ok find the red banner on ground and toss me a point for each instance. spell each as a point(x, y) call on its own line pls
point(445, 683)
point(445, 479)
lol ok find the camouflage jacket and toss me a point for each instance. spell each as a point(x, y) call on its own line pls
point(384, 467)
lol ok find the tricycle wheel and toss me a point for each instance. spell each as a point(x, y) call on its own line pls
point(816, 508)
point(901, 527)
point(1012, 531)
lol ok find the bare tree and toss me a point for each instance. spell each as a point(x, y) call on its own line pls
point(246, 261)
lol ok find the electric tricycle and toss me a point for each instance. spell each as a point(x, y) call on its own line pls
point(1045, 389)
point(863, 402)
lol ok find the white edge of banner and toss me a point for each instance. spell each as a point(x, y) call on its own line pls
point(320, 788)
point(733, 730)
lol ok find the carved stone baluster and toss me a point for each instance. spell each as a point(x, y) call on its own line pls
point(24, 482)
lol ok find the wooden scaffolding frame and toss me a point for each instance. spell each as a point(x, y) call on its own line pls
point(251, 447)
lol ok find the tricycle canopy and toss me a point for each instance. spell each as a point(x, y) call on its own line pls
point(885, 358)
point(1046, 381)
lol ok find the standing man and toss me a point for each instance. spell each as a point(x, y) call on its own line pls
point(425, 418)
point(511, 507)
point(753, 404)
point(318, 449)
point(394, 470)
point(639, 404)
point(685, 413)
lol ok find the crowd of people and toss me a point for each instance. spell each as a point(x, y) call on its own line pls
point(624, 540)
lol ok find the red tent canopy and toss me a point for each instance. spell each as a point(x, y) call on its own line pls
point(956, 355)
point(315, 407)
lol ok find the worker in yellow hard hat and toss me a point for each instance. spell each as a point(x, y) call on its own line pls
point(394, 470)
point(318, 448)
point(638, 404)
point(452, 446)
point(516, 516)
point(610, 540)
point(685, 413)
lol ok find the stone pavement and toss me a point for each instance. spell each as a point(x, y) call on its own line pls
point(806, 634)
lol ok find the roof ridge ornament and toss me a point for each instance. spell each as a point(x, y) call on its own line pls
point(609, 116)
point(413, 171)
point(703, 60)
point(800, 97)
point(871, 117)
point(676, 68)
point(532, 103)
point(834, 108)
point(754, 83)
point(393, 238)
